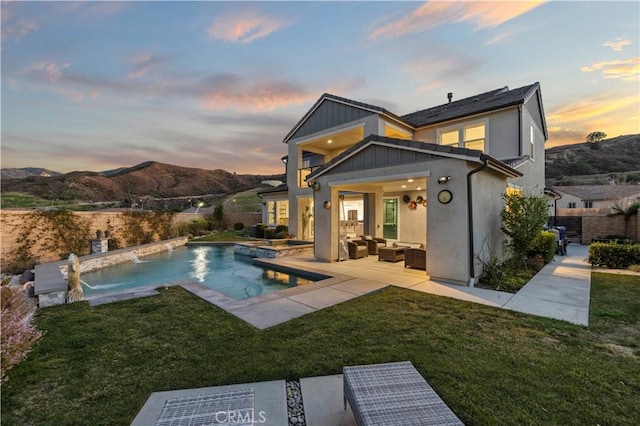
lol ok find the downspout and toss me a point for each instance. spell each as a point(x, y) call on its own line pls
point(485, 163)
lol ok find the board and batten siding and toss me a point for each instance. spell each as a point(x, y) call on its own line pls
point(330, 114)
point(376, 156)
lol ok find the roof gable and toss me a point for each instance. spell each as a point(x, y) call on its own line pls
point(379, 158)
point(484, 102)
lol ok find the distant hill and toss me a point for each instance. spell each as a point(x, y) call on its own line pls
point(147, 180)
point(13, 173)
point(615, 160)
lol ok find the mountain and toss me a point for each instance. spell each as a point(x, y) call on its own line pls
point(13, 173)
point(615, 160)
point(146, 180)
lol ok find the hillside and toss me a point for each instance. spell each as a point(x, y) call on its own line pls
point(147, 180)
point(13, 173)
point(612, 160)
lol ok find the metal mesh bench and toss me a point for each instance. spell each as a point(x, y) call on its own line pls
point(234, 407)
point(393, 394)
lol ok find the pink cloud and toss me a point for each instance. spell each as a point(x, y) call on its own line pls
point(628, 69)
point(244, 28)
point(434, 14)
point(50, 70)
point(259, 97)
point(15, 29)
point(143, 64)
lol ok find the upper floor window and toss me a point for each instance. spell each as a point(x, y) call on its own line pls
point(572, 205)
point(470, 136)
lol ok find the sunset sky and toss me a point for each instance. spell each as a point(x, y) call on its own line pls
point(217, 85)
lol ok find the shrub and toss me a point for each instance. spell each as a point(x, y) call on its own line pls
point(522, 219)
point(238, 226)
point(613, 255)
point(260, 228)
point(543, 245)
point(269, 233)
point(282, 229)
point(282, 234)
point(18, 334)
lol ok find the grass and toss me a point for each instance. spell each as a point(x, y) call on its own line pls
point(99, 365)
point(23, 201)
point(244, 202)
point(223, 236)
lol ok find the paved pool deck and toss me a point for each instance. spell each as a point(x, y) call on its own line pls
point(559, 291)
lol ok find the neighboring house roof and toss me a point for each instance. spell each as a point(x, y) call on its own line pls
point(515, 162)
point(329, 97)
point(473, 105)
point(279, 188)
point(484, 102)
point(430, 148)
point(600, 192)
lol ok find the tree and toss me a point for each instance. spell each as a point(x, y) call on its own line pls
point(523, 217)
point(595, 137)
point(631, 210)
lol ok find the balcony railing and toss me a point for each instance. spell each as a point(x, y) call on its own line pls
point(303, 173)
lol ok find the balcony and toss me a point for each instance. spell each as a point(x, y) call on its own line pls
point(303, 173)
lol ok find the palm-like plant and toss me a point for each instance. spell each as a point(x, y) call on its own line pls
point(631, 210)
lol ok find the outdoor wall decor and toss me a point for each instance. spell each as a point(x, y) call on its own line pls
point(327, 204)
point(406, 198)
point(419, 199)
point(413, 205)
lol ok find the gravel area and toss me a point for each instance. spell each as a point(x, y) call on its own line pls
point(295, 406)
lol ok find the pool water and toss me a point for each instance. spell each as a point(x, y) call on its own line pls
point(216, 267)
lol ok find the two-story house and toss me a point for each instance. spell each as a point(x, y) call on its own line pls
point(433, 177)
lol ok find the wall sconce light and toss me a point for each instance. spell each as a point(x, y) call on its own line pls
point(327, 204)
point(315, 186)
point(444, 179)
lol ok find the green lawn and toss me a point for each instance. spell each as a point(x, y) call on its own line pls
point(222, 236)
point(98, 365)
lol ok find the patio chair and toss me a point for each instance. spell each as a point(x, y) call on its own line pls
point(415, 258)
point(374, 244)
point(357, 249)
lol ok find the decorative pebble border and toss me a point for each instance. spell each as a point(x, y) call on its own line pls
point(295, 405)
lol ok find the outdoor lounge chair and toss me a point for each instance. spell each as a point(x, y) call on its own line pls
point(415, 258)
point(357, 249)
point(393, 394)
point(374, 244)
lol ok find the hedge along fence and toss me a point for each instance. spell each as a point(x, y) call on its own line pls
point(614, 255)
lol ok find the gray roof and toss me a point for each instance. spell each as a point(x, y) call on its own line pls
point(443, 150)
point(477, 104)
point(600, 192)
point(484, 102)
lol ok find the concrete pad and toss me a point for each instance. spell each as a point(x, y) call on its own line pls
point(566, 271)
point(323, 402)
point(271, 313)
point(359, 286)
point(561, 290)
point(468, 294)
point(550, 309)
point(270, 402)
point(323, 298)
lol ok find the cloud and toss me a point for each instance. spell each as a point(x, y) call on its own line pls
point(15, 29)
point(628, 69)
point(245, 27)
point(433, 14)
point(51, 71)
point(232, 91)
point(617, 43)
point(438, 68)
point(570, 123)
point(144, 63)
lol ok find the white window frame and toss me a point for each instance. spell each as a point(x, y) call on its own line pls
point(461, 127)
point(532, 142)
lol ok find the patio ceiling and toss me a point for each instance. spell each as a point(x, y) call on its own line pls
point(395, 185)
point(334, 141)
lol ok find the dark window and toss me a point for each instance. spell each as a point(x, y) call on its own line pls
point(572, 205)
point(588, 204)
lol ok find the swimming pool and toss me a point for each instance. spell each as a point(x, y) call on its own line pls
point(216, 267)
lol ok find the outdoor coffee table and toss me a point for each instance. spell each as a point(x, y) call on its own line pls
point(393, 394)
point(391, 254)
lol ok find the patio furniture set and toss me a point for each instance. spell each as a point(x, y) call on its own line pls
point(413, 257)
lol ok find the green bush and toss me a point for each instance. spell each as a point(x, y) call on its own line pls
point(614, 255)
point(269, 233)
point(260, 228)
point(544, 245)
point(282, 229)
point(238, 226)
